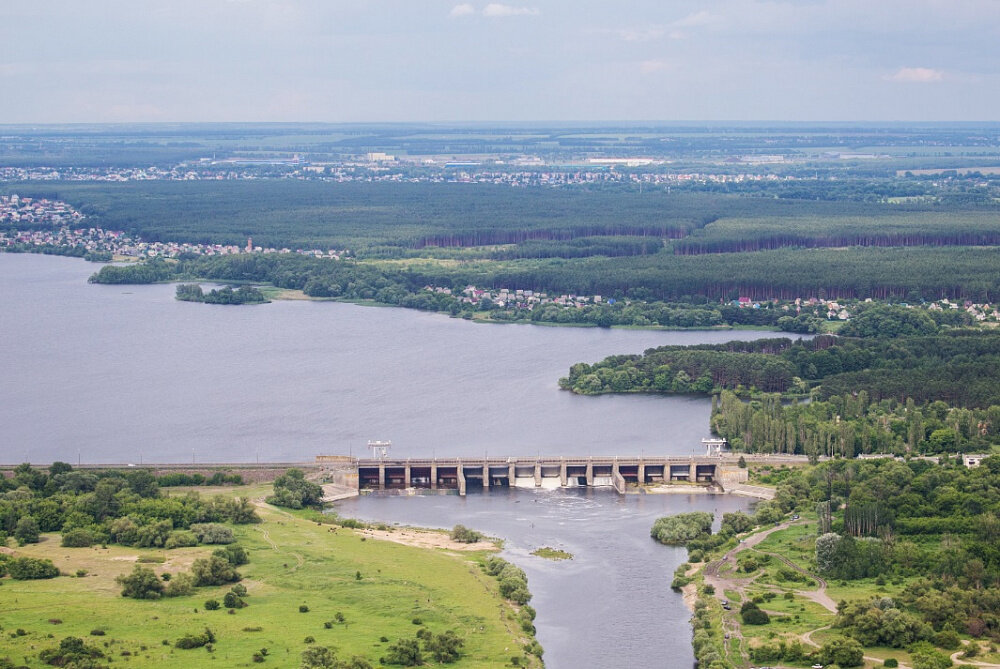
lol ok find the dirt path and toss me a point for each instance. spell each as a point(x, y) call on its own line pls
point(960, 660)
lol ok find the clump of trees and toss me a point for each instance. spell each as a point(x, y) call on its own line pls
point(187, 292)
point(682, 528)
point(72, 652)
point(463, 534)
point(293, 491)
point(513, 581)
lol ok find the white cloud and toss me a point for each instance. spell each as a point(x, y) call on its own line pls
point(654, 66)
point(464, 9)
point(701, 18)
point(916, 75)
point(497, 10)
point(640, 34)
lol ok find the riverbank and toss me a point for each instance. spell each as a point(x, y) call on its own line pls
point(301, 576)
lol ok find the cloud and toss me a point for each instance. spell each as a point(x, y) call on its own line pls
point(640, 34)
point(916, 75)
point(464, 9)
point(654, 66)
point(497, 10)
point(701, 18)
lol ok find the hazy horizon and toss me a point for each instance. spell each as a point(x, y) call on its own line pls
point(442, 61)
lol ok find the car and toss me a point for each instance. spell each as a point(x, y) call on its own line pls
point(727, 607)
point(795, 517)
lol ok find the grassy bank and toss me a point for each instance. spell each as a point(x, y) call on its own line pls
point(382, 589)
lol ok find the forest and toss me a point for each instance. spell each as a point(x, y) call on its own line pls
point(955, 366)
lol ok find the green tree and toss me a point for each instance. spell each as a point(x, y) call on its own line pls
point(26, 531)
point(142, 583)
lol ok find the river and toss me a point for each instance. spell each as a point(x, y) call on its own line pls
point(128, 374)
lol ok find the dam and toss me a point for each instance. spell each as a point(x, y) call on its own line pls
point(464, 474)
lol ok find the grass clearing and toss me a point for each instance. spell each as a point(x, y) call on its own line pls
point(378, 586)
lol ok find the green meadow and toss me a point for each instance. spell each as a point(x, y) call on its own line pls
point(382, 590)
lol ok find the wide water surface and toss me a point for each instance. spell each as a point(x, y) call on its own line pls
point(129, 374)
point(611, 605)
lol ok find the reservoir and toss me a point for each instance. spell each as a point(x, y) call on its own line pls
point(117, 374)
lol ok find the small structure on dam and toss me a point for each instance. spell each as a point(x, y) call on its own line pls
point(463, 474)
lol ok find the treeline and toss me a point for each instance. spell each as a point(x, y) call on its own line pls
point(903, 273)
point(853, 424)
point(733, 235)
point(124, 507)
point(958, 367)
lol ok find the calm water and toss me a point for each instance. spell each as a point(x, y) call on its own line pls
point(127, 373)
point(611, 605)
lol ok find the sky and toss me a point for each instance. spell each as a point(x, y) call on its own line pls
point(66, 61)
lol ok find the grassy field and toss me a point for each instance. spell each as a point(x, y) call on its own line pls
point(379, 587)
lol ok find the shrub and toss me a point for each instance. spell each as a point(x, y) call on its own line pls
point(189, 641)
point(405, 652)
point(142, 583)
point(213, 533)
point(180, 586)
point(303, 608)
point(26, 531)
point(213, 570)
point(97, 631)
point(891, 662)
point(212, 605)
point(464, 535)
point(842, 651)
point(25, 569)
point(72, 651)
point(291, 490)
point(180, 539)
point(234, 554)
point(78, 538)
point(445, 647)
point(682, 527)
point(751, 614)
point(233, 601)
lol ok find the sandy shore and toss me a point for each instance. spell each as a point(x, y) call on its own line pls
point(426, 539)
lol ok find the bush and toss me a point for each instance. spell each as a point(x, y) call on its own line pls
point(213, 570)
point(180, 539)
point(234, 554)
point(303, 608)
point(291, 490)
point(189, 641)
point(25, 569)
point(181, 585)
point(97, 631)
point(464, 535)
point(212, 605)
point(405, 652)
point(842, 651)
point(445, 648)
point(233, 601)
point(142, 583)
point(682, 527)
point(891, 662)
point(213, 533)
point(751, 614)
point(26, 531)
point(73, 652)
point(78, 538)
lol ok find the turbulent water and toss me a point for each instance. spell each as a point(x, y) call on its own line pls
point(611, 605)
